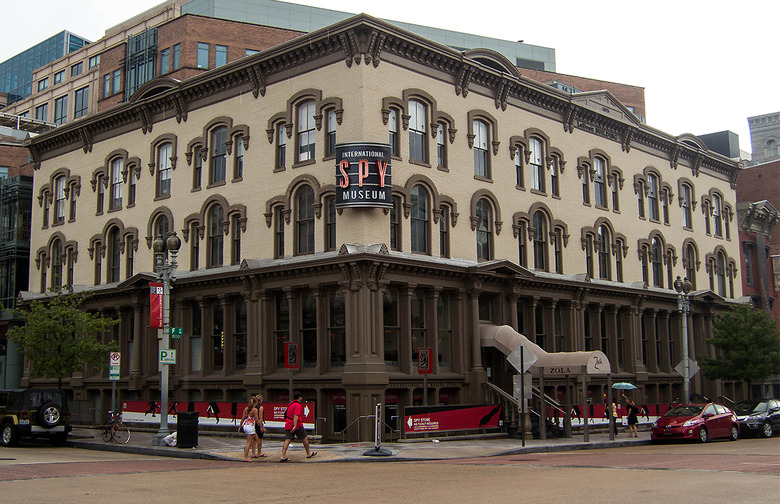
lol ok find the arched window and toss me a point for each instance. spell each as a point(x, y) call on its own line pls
point(56, 264)
point(720, 274)
point(304, 220)
point(306, 131)
point(537, 164)
point(330, 133)
point(278, 231)
point(717, 213)
point(540, 241)
point(218, 155)
point(164, 153)
point(652, 197)
point(555, 184)
point(395, 224)
point(690, 264)
point(603, 251)
point(392, 128)
point(441, 146)
point(114, 255)
point(116, 183)
point(216, 218)
point(59, 199)
point(519, 179)
point(599, 182)
point(484, 230)
point(658, 258)
point(330, 223)
point(281, 146)
point(417, 136)
point(771, 148)
point(686, 200)
point(419, 219)
point(444, 231)
point(481, 159)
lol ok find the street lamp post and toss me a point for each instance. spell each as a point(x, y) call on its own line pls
point(683, 288)
point(165, 273)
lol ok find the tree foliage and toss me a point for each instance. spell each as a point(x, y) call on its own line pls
point(747, 344)
point(58, 337)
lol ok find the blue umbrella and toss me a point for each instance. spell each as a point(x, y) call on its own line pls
point(623, 386)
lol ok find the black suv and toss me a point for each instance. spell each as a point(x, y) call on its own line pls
point(33, 413)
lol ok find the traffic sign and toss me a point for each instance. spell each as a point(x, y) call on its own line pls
point(176, 331)
point(167, 356)
point(113, 373)
point(693, 368)
point(114, 358)
point(528, 358)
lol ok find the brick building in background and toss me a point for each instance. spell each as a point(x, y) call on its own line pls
point(758, 201)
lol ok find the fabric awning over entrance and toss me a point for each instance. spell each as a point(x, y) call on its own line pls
point(507, 340)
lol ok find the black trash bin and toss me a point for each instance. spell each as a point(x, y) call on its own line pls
point(187, 429)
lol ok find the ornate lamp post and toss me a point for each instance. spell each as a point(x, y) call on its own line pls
point(683, 288)
point(165, 273)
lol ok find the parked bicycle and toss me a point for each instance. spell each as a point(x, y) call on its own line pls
point(115, 429)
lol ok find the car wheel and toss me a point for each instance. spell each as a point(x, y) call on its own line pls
point(59, 439)
point(767, 430)
point(734, 433)
point(8, 435)
point(50, 415)
point(703, 434)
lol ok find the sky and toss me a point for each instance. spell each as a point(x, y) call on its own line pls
point(706, 66)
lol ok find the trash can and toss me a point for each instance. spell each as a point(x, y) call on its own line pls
point(187, 429)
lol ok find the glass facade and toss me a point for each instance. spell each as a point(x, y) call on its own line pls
point(16, 73)
point(141, 61)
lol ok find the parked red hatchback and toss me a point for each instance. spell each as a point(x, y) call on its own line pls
point(696, 421)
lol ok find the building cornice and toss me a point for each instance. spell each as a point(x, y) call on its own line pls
point(363, 39)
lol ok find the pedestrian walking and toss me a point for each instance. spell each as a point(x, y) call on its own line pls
point(632, 411)
point(293, 427)
point(248, 422)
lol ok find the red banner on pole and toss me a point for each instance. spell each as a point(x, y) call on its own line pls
point(424, 356)
point(291, 356)
point(156, 305)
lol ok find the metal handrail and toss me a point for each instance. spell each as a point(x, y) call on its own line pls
point(315, 424)
point(343, 432)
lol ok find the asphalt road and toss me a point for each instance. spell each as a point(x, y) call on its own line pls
point(741, 472)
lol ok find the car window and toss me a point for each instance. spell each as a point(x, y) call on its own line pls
point(720, 409)
point(3, 399)
point(709, 410)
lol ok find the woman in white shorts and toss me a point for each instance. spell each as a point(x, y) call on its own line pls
point(248, 426)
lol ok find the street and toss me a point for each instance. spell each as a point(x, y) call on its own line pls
point(744, 471)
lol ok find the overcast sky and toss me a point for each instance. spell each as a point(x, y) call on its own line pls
point(706, 66)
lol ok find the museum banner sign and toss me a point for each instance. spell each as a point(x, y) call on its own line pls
point(363, 175)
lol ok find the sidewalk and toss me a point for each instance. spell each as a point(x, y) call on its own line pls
point(218, 446)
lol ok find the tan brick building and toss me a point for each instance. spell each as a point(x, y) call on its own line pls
point(513, 203)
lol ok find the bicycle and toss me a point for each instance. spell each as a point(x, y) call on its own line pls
point(115, 429)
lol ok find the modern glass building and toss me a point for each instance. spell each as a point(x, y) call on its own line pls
point(16, 73)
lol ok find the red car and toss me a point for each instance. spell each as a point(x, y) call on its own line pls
point(696, 421)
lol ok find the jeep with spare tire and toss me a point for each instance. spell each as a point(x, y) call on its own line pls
point(33, 413)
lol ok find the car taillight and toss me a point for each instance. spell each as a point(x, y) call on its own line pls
point(24, 415)
point(67, 415)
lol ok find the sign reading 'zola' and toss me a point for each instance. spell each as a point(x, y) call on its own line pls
point(363, 175)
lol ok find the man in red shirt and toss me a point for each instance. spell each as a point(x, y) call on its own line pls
point(293, 427)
